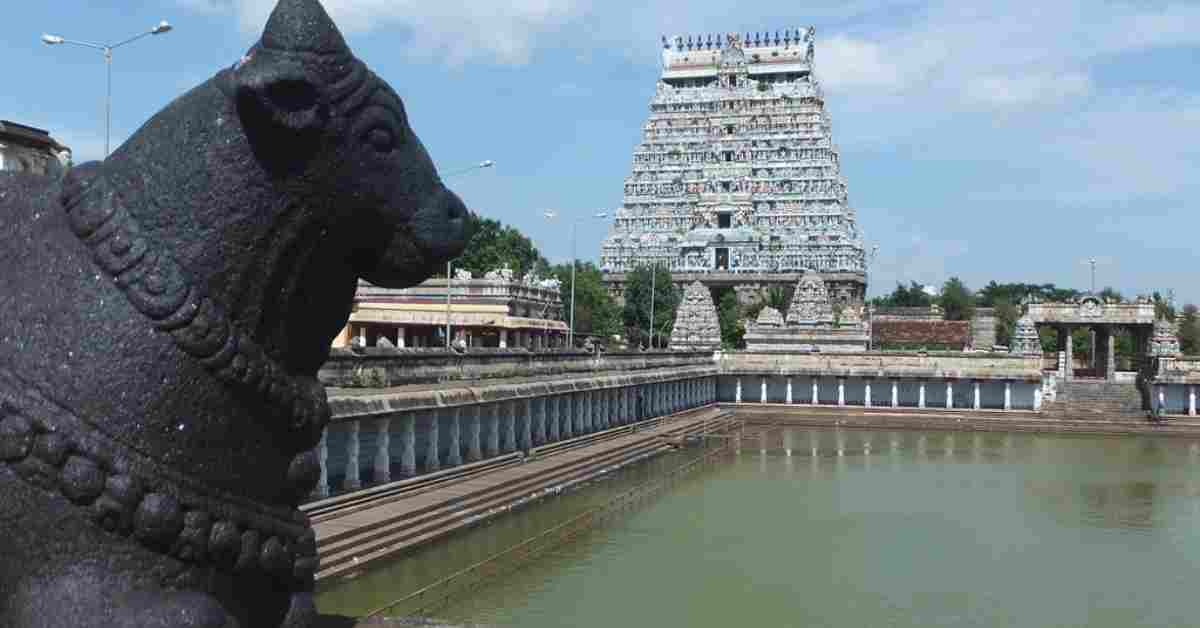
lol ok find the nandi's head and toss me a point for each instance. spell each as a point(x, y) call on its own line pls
point(287, 177)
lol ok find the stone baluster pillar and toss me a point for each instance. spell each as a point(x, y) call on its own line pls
point(1162, 400)
point(322, 488)
point(737, 391)
point(352, 481)
point(816, 390)
point(949, 393)
point(841, 391)
point(511, 410)
point(977, 402)
point(503, 338)
point(1191, 400)
point(474, 433)
point(526, 425)
point(1008, 395)
point(921, 394)
point(602, 409)
point(580, 413)
point(454, 452)
point(566, 406)
point(866, 393)
point(895, 393)
point(762, 390)
point(495, 422)
point(553, 418)
point(1037, 397)
point(383, 454)
point(408, 444)
point(432, 460)
point(788, 393)
point(542, 410)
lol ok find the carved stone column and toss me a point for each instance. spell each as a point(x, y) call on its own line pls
point(408, 444)
point(322, 488)
point(816, 390)
point(895, 393)
point(841, 391)
point(977, 402)
point(474, 433)
point(540, 410)
point(352, 481)
point(1110, 355)
point(737, 392)
point(921, 394)
point(511, 410)
point(949, 393)
point(580, 413)
point(1069, 373)
point(553, 418)
point(1008, 394)
point(526, 424)
point(495, 422)
point(383, 454)
point(762, 390)
point(1191, 403)
point(788, 398)
point(432, 460)
point(866, 393)
point(454, 446)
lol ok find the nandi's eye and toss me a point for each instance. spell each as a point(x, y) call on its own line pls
point(381, 139)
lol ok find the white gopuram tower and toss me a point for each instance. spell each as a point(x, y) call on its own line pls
point(736, 181)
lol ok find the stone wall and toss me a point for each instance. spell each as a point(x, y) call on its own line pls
point(380, 368)
point(933, 334)
point(945, 365)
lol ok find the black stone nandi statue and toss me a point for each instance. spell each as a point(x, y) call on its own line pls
point(163, 315)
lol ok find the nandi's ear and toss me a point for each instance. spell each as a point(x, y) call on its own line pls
point(278, 92)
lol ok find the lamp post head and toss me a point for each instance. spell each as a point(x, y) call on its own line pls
point(601, 215)
point(51, 40)
point(163, 27)
point(486, 163)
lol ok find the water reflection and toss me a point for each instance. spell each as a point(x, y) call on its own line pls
point(880, 519)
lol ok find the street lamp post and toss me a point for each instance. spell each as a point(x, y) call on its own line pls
point(486, 163)
point(550, 214)
point(653, 277)
point(107, 49)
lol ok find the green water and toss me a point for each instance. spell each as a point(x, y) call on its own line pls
point(927, 529)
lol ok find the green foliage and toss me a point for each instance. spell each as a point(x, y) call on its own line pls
point(1007, 314)
point(730, 317)
point(1189, 330)
point(492, 245)
point(912, 296)
point(595, 311)
point(958, 304)
point(777, 297)
point(636, 315)
point(1015, 293)
point(1110, 294)
point(1163, 308)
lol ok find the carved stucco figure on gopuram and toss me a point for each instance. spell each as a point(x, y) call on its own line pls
point(163, 315)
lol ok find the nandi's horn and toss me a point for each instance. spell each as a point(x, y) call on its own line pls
point(303, 26)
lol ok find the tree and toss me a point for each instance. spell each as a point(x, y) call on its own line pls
point(958, 304)
point(1163, 309)
point(912, 296)
point(1007, 314)
point(1016, 293)
point(492, 245)
point(1110, 294)
point(1189, 330)
point(777, 297)
point(595, 311)
point(636, 315)
point(730, 317)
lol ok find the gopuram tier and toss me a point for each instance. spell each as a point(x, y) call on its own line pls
point(736, 181)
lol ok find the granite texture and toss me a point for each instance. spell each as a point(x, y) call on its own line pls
point(163, 315)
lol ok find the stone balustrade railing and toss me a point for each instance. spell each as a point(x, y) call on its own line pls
point(380, 368)
point(887, 364)
point(379, 436)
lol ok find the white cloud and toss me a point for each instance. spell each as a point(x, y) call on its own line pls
point(1028, 90)
point(453, 31)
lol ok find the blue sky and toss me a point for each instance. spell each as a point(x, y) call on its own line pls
point(1007, 141)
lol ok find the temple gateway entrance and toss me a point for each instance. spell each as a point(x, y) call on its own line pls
point(1107, 320)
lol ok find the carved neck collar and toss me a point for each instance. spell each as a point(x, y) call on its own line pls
point(162, 290)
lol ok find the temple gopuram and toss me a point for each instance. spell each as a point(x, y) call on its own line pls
point(736, 181)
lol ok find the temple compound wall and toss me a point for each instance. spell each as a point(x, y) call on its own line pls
point(737, 181)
